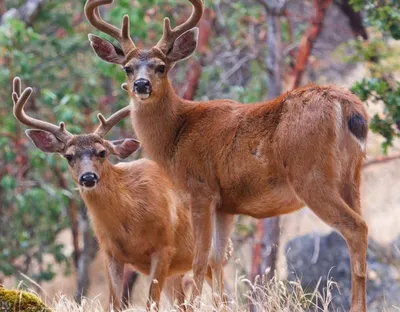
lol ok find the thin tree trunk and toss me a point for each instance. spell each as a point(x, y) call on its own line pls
point(86, 256)
point(355, 18)
point(73, 216)
point(307, 42)
point(2, 7)
point(267, 230)
point(194, 70)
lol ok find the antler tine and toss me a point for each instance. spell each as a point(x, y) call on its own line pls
point(169, 35)
point(107, 124)
point(20, 100)
point(92, 13)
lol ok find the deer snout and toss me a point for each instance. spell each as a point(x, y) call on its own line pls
point(88, 179)
point(142, 86)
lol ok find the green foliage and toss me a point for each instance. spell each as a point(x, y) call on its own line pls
point(382, 60)
point(388, 123)
point(70, 84)
point(385, 15)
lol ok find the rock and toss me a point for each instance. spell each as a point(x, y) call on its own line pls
point(311, 257)
point(22, 301)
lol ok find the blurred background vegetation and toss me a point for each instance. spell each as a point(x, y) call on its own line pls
point(45, 43)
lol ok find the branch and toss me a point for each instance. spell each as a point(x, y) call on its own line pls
point(194, 70)
point(308, 40)
point(355, 18)
point(26, 12)
point(380, 160)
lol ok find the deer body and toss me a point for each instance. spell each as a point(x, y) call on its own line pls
point(135, 212)
point(267, 159)
point(254, 158)
point(305, 147)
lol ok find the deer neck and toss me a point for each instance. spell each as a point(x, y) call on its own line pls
point(157, 122)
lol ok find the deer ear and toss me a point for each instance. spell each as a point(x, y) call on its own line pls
point(45, 141)
point(124, 148)
point(106, 51)
point(184, 45)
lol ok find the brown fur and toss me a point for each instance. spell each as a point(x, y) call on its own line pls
point(263, 160)
point(305, 147)
point(138, 218)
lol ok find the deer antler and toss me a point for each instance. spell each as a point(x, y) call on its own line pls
point(107, 124)
point(170, 35)
point(20, 100)
point(123, 36)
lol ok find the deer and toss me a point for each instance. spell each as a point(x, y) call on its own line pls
point(304, 148)
point(137, 215)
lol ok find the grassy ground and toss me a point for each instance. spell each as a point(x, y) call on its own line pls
point(273, 296)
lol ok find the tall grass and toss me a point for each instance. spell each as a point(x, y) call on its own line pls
point(269, 296)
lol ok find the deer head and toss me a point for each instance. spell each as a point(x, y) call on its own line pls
point(87, 154)
point(146, 70)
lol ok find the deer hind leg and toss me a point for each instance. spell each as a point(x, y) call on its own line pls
point(327, 204)
point(222, 229)
point(160, 262)
point(350, 190)
point(114, 272)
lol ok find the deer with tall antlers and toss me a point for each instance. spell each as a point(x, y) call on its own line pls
point(306, 147)
point(137, 215)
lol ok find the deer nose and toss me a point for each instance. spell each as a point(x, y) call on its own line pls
point(88, 179)
point(142, 86)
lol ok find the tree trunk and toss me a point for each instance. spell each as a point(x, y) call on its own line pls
point(267, 230)
point(307, 42)
point(86, 256)
point(355, 18)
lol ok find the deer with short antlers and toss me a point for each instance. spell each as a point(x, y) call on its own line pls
point(306, 147)
point(138, 217)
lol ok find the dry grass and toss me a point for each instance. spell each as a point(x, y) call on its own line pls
point(272, 296)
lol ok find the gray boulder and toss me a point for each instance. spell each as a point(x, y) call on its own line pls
point(314, 257)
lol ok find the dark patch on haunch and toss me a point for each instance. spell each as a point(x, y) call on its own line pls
point(358, 126)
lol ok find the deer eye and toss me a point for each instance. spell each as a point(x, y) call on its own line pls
point(102, 154)
point(160, 69)
point(68, 157)
point(128, 70)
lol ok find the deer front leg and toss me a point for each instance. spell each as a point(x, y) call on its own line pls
point(222, 230)
point(203, 209)
point(115, 271)
point(160, 262)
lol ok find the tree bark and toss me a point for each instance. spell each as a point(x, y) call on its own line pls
point(355, 18)
point(265, 253)
point(87, 255)
point(307, 42)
